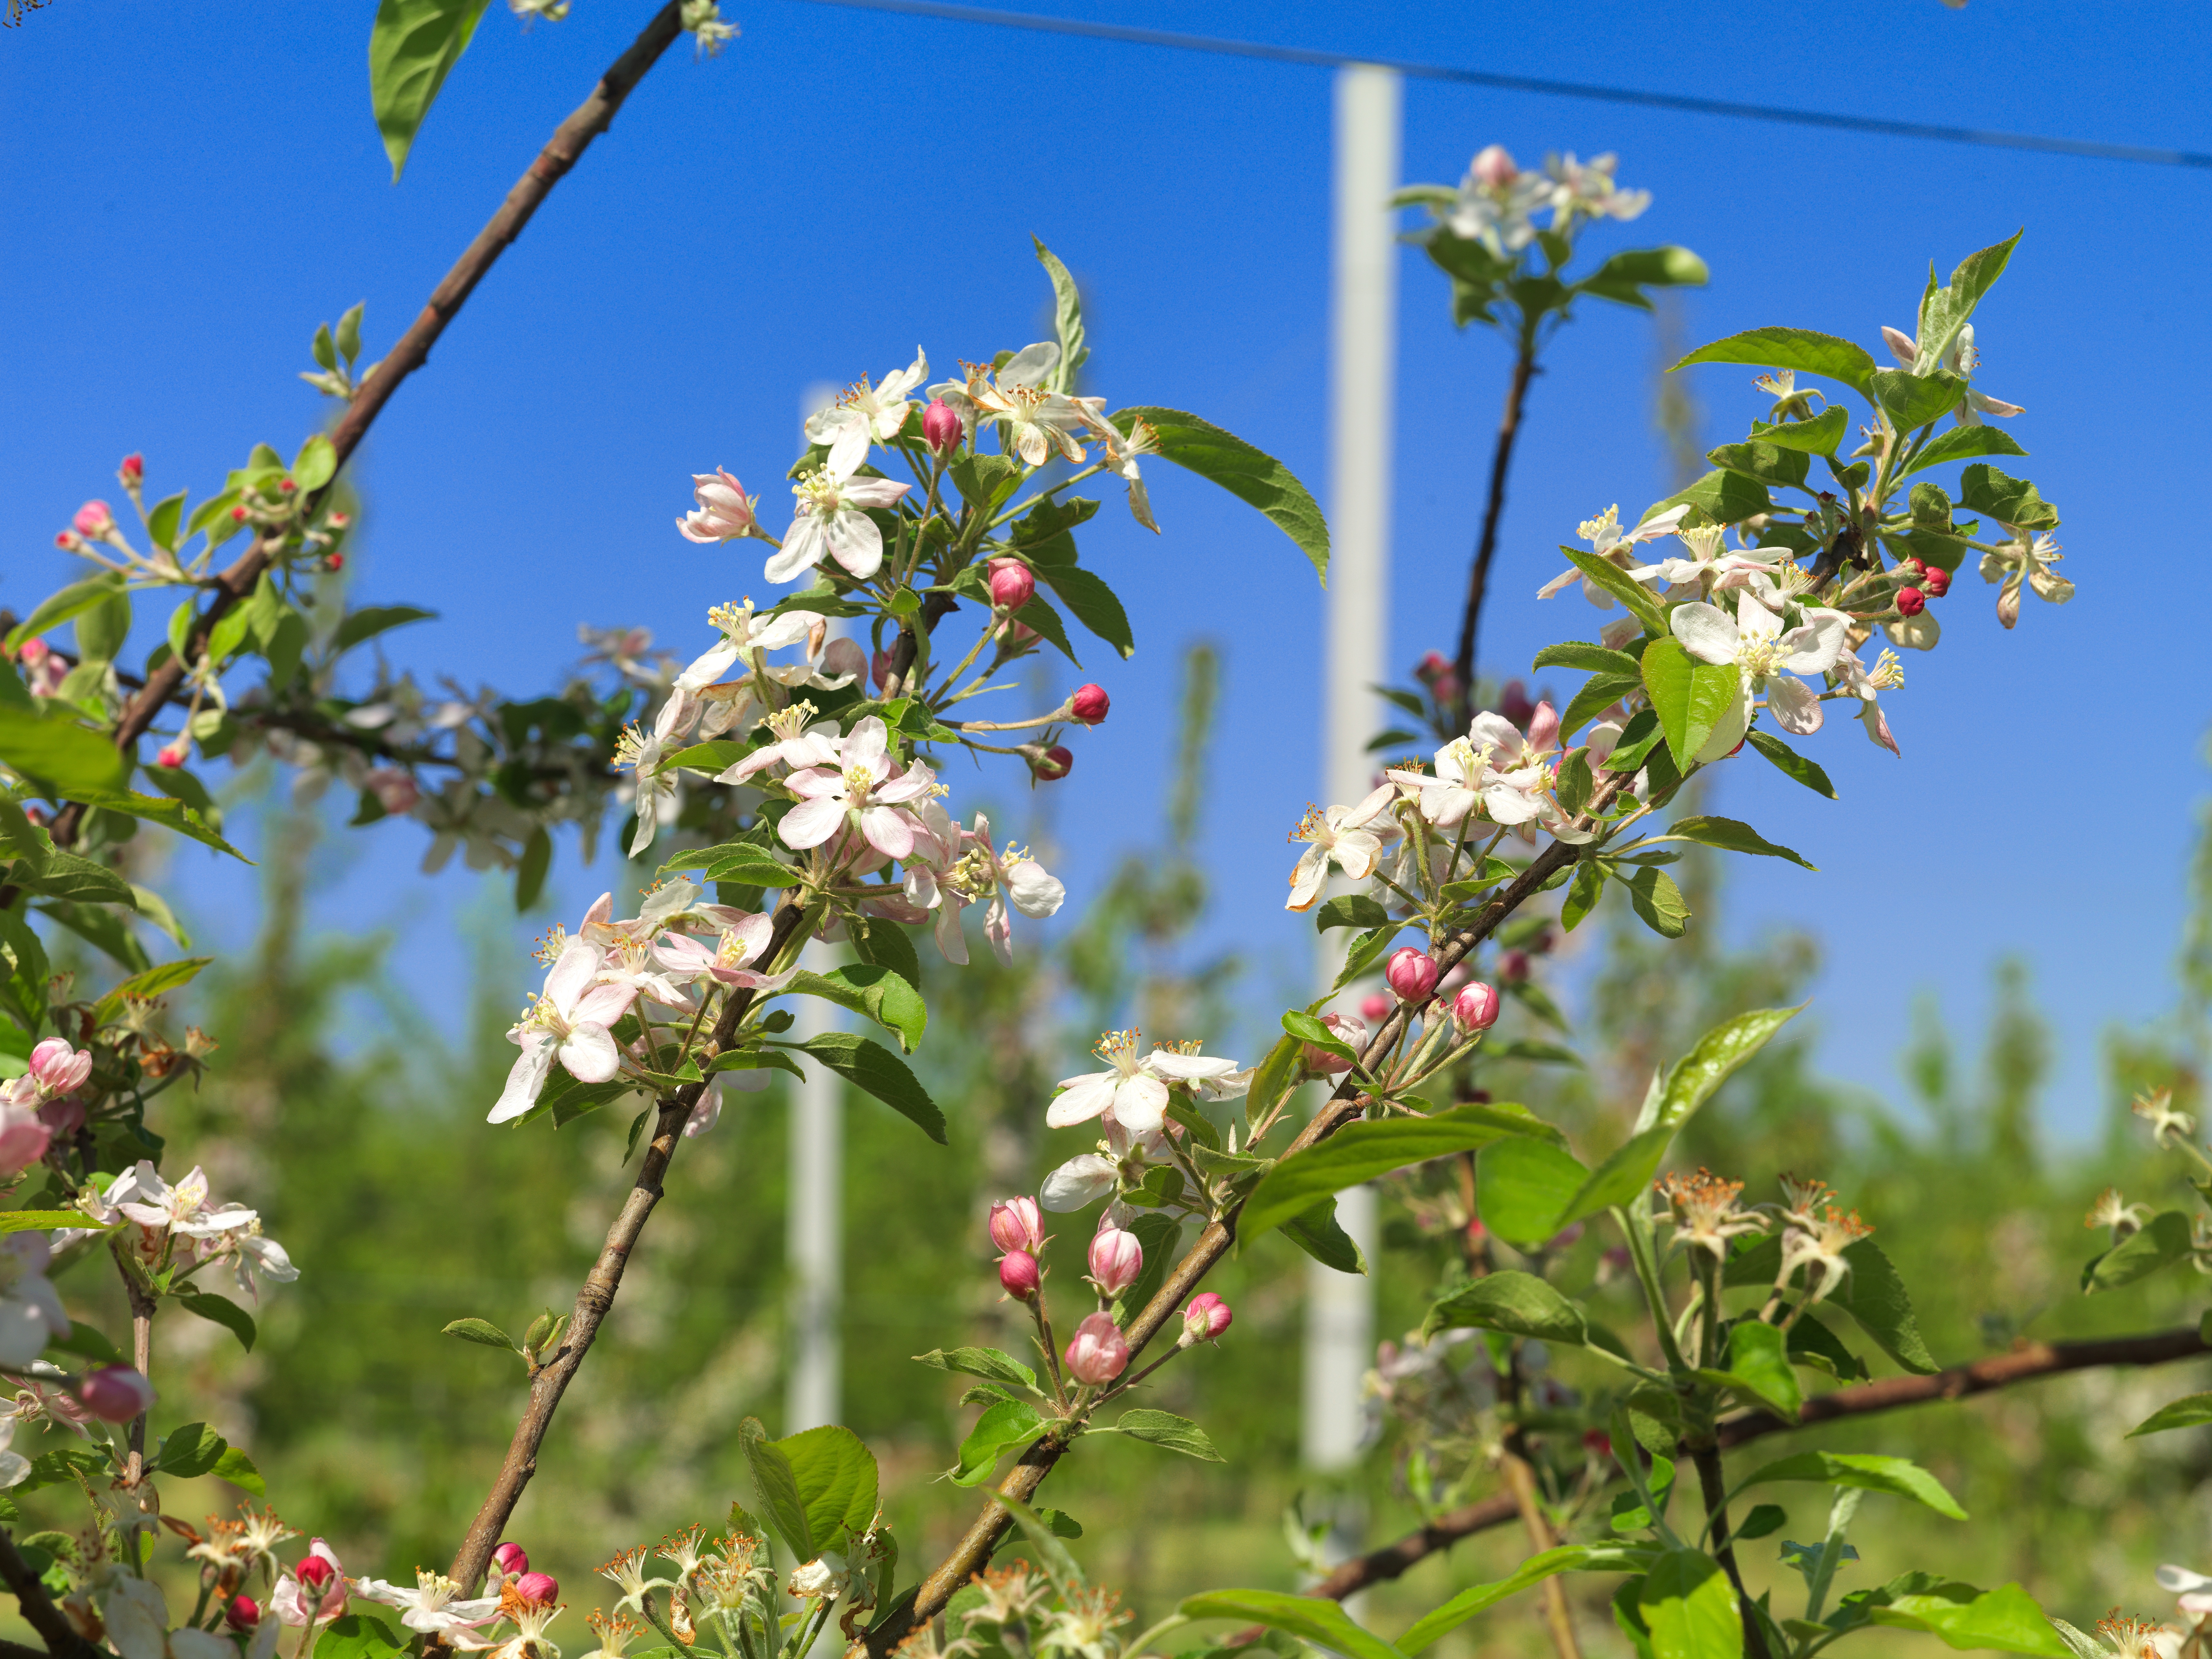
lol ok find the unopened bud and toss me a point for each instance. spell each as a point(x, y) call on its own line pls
point(62, 1119)
point(1097, 1352)
point(1012, 584)
point(1048, 765)
point(1116, 1259)
point(58, 1069)
point(1411, 972)
point(174, 754)
point(334, 562)
point(1476, 1007)
point(285, 486)
point(511, 1557)
point(1017, 1274)
point(1513, 966)
point(243, 1613)
point(542, 1588)
point(1911, 566)
point(1911, 601)
point(34, 651)
point(132, 472)
point(1016, 1225)
point(879, 667)
point(1346, 1029)
point(1205, 1319)
point(92, 519)
point(315, 1573)
point(941, 427)
point(1937, 582)
point(1090, 704)
point(1493, 168)
point(238, 514)
point(114, 1394)
point(1375, 1009)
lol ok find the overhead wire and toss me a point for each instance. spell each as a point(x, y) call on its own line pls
point(1684, 103)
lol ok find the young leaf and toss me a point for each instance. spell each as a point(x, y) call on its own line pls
point(223, 1311)
point(1067, 319)
point(2186, 1412)
point(1166, 1429)
point(2006, 1619)
point(1523, 1185)
point(834, 1476)
point(1364, 1150)
point(1350, 910)
point(881, 1073)
point(1479, 1598)
point(414, 43)
point(1317, 1232)
point(1898, 1475)
point(1245, 473)
point(878, 992)
point(987, 1363)
point(1658, 902)
point(64, 759)
point(1690, 1608)
point(1091, 602)
point(1983, 488)
point(1722, 496)
point(1800, 348)
point(235, 1467)
point(1733, 835)
point(776, 1486)
point(479, 1330)
point(360, 1636)
point(74, 600)
point(1308, 1618)
point(1818, 436)
point(1597, 658)
point(168, 811)
point(366, 623)
point(1759, 1367)
point(1689, 696)
point(1604, 574)
point(1004, 1427)
point(190, 1451)
point(1960, 443)
point(1623, 278)
point(1874, 1295)
point(1791, 763)
point(1518, 1303)
point(1690, 1082)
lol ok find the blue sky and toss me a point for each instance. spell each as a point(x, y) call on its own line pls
point(186, 194)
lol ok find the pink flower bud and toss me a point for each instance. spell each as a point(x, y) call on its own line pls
point(242, 1614)
point(879, 667)
point(511, 1557)
point(1411, 972)
point(1911, 601)
point(941, 427)
point(1431, 666)
point(1016, 1225)
point(63, 1118)
point(315, 1573)
point(542, 1588)
point(1513, 966)
point(334, 562)
point(174, 753)
point(1097, 1352)
point(114, 1394)
point(1090, 704)
point(1493, 168)
point(1205, 1318)
point(92, 519)
point(1348, 1029)
point(396, 791)
point(1012, 584)
point(1936, 582)
point(285, 486)
point(1116, 1259)
point(59, 1069)
point(132, 472)
point(34, 651)
point(238, 515)
point(1375, 1009)
point(1477, 1007)
point(1017, 1274)
point(1513, 703)
point(24, 1138)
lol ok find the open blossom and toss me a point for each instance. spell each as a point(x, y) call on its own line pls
point(729, 963)
point(1035, 422)
point(1587, 189)
point(1352, 838)
point(31, 1312)
point(1465, 778)
point(1753, 639)
point(315, 1590)
point(1123, 454)
point(642, 754)
point(1704, 1211)
point(1851, 675)
point(1495, 201)
point(833, 521)
point(2027, 558)
point(1134, 1090)
point(725, 511)
point(743, 635)
point(1013, 877)
point(1609, 541)
point(434, 1604)
point(569, 1023)
point(867, 415)
point(864, 787)
point(1089, 1176)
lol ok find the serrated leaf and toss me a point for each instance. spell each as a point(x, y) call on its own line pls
point(1733, 835)
point(1804, 349)
point(1165, 1429)
point(876, 992)
point(1900, 1476)
point(153, 982)
point(836, 1479)
point(1818, 435)
point(1523, 1185)
point(478, 1330)
point(2006, 1619)
point(1610, 577)
point(1362, 1152)
point(1569, 1557)
point(1518, 1303)
point(1658, 902)
point(412, 47)
point(1350, 910)
point(1008, 1426)
point(1690, 697)
point(987, 1363)
point(1249, 474)
point(1961, 443)
point(168, 811)
point(190, 1451)
point(1308, 1618)
point(879, 1071)
point(1317, 1232)
point(1690, 1608)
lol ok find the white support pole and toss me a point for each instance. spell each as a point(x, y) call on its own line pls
point(1340, 1307)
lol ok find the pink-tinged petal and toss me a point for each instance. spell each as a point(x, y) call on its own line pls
point(1877, 726)
point(874, 492)
point(816, 783)
point(1082, 1179)
point(1086, 1097)
point(754, 933)
point(603, 1005)
point(856, 544)
point(1573, 574)
point(573, 973)
point(589, 1055)
point(850, 447)
point(998, 930)
point(868, 744)
point(1544, 728)
point(951, 940)
point(812, 823)
point(916, 781)
point(1140, 1104)
point(804, 544)
point(1373, 807)
point(1707, 632)
point(707, 669)
point(683, 953)
point(1812, 647)
point(526, 1081)
point(1506, 804)
point(1794, 705)
point(752, 982)
point(602, 911)
point(1494, 730)
point(889, 830)
point(1445, 807)
point(1902, 346)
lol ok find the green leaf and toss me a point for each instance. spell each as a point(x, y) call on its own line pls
point(879, 942)
point(1658, 902)
point(1159, 1234)
point(1818, 436)
point(1272, 1078)
point(2186, 1412)
point(1960, 443)
point(1874, 1295)
point(1574, 653)
point(1166, 1429)
point(1691, 1081)
point(1599, 693)
point(1362, 1152)
point(1913, 398)
point(836, 1476)
point(1733, 835)
point(1983, 488)
point(235, 1467)
point(775, 1485)
point(1758, 1368)
point(1091, 602)
point(1722, 496)
point(40, 1221)
point(1518, 1303)
point(190, 1451)
point(984, 480)
point(1641, 603)
point(63, 758)
point(1044, 1533)
point(1583, 895)
point(167, 811)
point(221, 1311)
point(1944, 311)
point(2160, 1242)
point(1690, 1608)
point(875, 991)
point(1252, 476)
point(1800, 348)
point(414, 43)
point(359, 1636)
point(480, 1331)
point(987, 1363)
point(161, 522)
point(1478, 1598)
point(1523, 1187)
point(1317, 1232)
point(1350, 910)
point(1690, 697)
point(2006, 1619)
point(1309, 1619)
point(1900, 1476)
point(315, 465)
point(1770, 463)
point(530, 870)
point(65, 876)
point(1067, 319)
point(1791, 763)
point(1623, 278)
point(153, 982)
point(874, 1068)
point(1007, 1426)
point(74, 600)
point(366, 623)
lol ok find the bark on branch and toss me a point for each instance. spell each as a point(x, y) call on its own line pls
point(39, 1609)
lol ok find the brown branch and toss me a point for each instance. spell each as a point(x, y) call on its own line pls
point(39, 1609)
point(562, 152)
point(598, 1292)
point(2026, 1364)
point(1477, 577)
point(1343, 1107)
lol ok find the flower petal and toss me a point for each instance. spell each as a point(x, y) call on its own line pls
point(1140, 1104)
point(1085, 1099)
point(589, 1055)
point(1707, 632)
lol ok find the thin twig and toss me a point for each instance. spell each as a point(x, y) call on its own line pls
point(1477, 577)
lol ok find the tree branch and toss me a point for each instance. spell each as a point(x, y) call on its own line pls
point(39, 1609)
point(2026, 1364)
point(562, 152)
point(1477, 577)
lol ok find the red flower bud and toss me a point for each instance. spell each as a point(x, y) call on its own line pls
point(1513, 966)
point(93, 518)
point(511, 1557)
point(1911, 601)
point(114, 1394)
point(285, 486)
point(879, 667)
point(34, 650)
point(132, 472)
point(1016, 1225)
point(1431, 666)
point(1012, 584)
point(1937, 582)
point(1056, 763)
point(1910, 567)
point(1411, 972)
point(941, 427)
point(1090, 704)
point(238, 515)
point(173, 754)
point(243, 1613)
point(1477, 1007)
point(315, 1573)
point(1375, 1009)
point(539, 1587)
point(1205, 1318)
point(334, 562)
point(1017, 1274)
point(1597, 1442)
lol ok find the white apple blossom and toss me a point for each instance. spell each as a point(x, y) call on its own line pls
point(1754, 640)
point(569, 1023)
point(932, 879)
point(1495, 202)
point(1708, 567)
point(1853, 679)
point(1609, 541)
point(798, 745)
point(2028, 557)
point(1035, 421)
point(434, 1604)
point(729, 962)
point(653, 791)
point(864, 788)
point(1123, 454)
point(744, 633)
point(1464, 779)
point(31, 1311)
point(833, 521)
point(1132, 1092)
point(1011, 875)
point(183, 1209)
point(1089, 1176)
point(1348, 835)
point(1587, 189)
point(866, 415)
